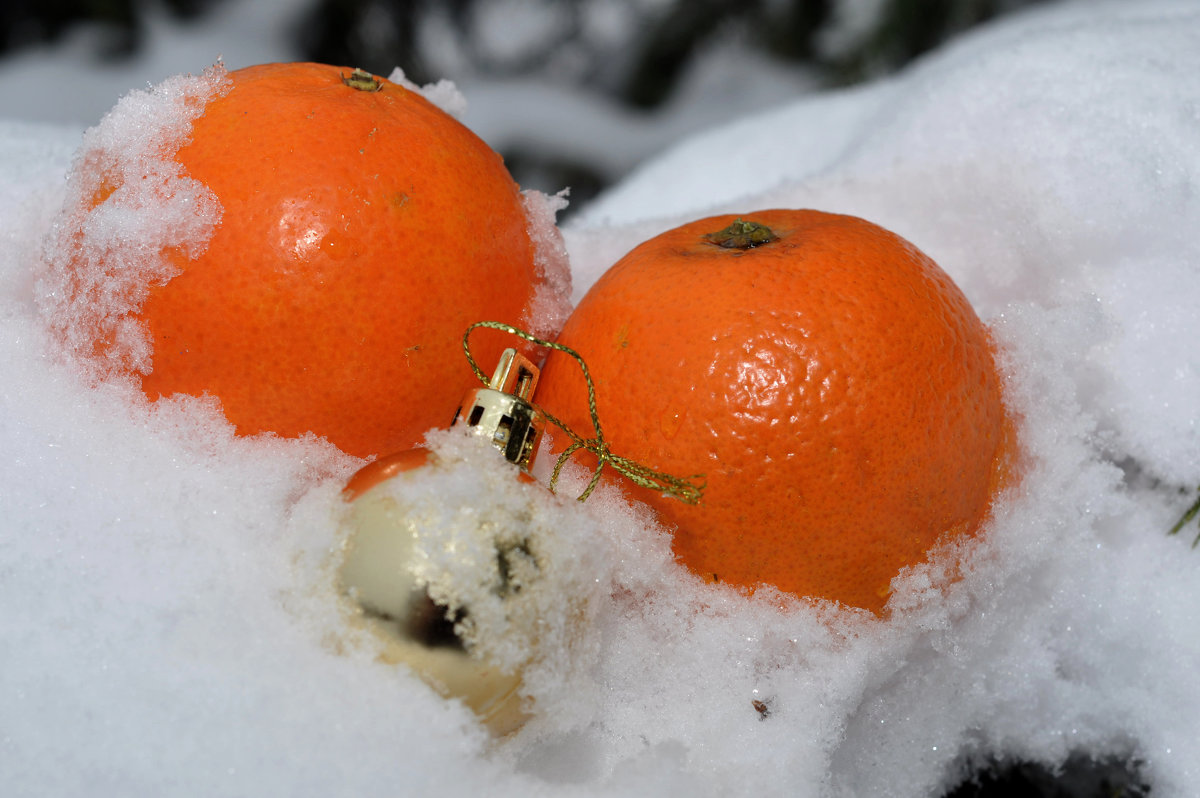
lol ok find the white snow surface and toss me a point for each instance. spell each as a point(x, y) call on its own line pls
point(171, 620)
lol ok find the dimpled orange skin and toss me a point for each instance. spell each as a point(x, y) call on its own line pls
point(835, 387)
point(362, 232)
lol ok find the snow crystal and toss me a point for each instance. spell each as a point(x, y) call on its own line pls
point(444, 94)
point(551, 303)
point(129, 210)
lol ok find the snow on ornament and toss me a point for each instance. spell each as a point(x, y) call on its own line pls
point(463, 581)
point(430, 622)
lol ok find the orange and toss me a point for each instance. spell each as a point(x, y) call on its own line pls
point(832, 383)
point(362, 231)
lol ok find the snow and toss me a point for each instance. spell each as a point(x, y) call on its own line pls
point(117, 249)
point(172, 619)
point(65, 84)
point(444, 94)
point(551, 304)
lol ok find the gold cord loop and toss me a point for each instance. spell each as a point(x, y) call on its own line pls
point(686, 489)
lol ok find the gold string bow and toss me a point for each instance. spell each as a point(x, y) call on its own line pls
point(686, 489)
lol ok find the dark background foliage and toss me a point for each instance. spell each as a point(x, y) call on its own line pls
point(379, 34)
point(640, 72)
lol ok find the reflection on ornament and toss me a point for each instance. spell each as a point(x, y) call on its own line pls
point(379, 572)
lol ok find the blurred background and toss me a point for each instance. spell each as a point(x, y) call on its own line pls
point(572, 92)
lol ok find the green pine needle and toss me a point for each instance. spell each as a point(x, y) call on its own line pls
point(1186, 518)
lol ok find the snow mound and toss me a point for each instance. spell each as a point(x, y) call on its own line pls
point(444, 94)
point(551, 303)
point(129, 210)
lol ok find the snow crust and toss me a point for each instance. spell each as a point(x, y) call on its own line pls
point(444, 94)
point(551, 302)
point(130, 209)
point(172, 623)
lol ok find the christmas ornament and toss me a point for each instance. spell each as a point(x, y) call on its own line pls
point(450, 581)
point(378, 571)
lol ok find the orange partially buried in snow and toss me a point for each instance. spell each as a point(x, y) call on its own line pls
point(830, 381)
point(362, 230)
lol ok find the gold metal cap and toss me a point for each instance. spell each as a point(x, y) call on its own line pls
point(503, 412)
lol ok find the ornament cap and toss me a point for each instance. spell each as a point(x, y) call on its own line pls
point(503, 413)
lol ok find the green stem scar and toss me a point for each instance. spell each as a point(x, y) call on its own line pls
point(362, 80)
point(742, 234)
point(687, 489)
